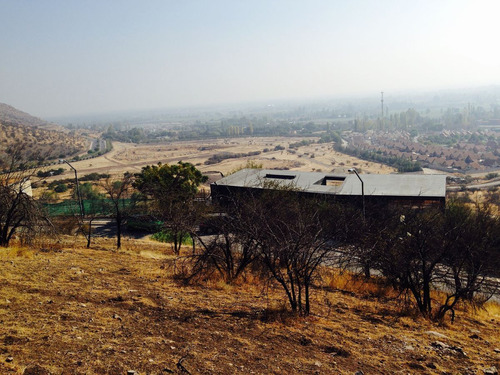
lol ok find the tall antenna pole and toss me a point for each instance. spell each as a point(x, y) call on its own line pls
point(382, 108)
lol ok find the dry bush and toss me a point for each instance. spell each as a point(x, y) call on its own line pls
point(255, 276)
point(278, 313)
point(66, 225)
point(47, 244)
point(180, 269)
point(350, 282)
point(490, 310)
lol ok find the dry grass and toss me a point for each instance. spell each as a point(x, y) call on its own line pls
point(359, 285)
point(101, 311)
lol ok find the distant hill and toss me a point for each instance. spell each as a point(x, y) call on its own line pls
point(41, 140)
point(9, 114)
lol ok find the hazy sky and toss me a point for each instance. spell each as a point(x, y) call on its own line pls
point(60, 57)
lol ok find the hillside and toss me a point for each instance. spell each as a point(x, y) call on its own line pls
point(67, 309)
point(11, 115)
point(39, 137)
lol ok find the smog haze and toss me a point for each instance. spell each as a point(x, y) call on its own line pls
point(61, 58)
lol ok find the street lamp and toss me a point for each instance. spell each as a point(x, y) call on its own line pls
point(353, 170)
point(80, 203)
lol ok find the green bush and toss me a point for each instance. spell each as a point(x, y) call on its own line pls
point(168, 237)
point(51, 172)
point(61, 188)
point(139, 225)
point(94, 176)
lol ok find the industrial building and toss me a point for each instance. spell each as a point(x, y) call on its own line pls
point(408, 190)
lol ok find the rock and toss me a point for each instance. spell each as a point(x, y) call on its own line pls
point(36, 370)
point(116, 316)
point(474, 336)
point(437, 334)
point(439, 345)
point(9, 359)
point(496, 350)
point(458, 350)
point(467, 371)
point(359, 373)
point(336, 351)
point(130, 372)
point(416, 366)
point(490, 371)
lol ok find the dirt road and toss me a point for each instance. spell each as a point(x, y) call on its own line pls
point(132, 157)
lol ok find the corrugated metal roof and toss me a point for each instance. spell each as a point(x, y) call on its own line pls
point(404, 185)
point(396, 185)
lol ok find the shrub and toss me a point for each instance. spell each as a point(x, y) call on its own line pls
point(144, 225)
point(94, 176)
point(61, 188)
point(250, 164)
point(168, 237)
point(491, 176)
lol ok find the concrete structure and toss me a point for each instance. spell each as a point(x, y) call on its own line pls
point(22, 186)
point(394, 189)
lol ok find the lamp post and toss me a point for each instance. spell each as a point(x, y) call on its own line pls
point(353, 170)
point(80, 203)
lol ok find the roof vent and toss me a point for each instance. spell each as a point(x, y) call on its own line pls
point(332, 180)
point(280, 176)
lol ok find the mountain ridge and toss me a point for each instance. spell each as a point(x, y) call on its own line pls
point(40, 139)
point(15, 116)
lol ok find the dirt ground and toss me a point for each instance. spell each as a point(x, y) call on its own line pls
point(132, 157)
point(65, 309)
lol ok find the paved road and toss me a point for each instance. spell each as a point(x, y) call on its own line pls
point(107, 228)
point(485, 185)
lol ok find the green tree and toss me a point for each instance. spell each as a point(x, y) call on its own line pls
point(61, 188)
point(88, 191)
point(171, 189)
